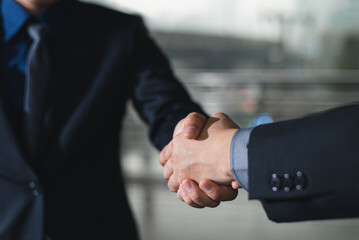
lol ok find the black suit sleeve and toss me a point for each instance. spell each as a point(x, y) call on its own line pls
point(306, 169)
point(159, 98)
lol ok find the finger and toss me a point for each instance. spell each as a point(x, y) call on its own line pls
point(190, 203)
point(167, 171)
point(186, 198)
point(194, 196)
point(179, 195)
point(193, 125)
point(165, 154)
point(235, 185)
point(218, 192)
point(172, 184)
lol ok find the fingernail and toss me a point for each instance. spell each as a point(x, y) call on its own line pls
point(207, 187)
point(188, 187)
point(190, 131)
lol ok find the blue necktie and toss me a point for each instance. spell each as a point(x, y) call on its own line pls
point(36, 90)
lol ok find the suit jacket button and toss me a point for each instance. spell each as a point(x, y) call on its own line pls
point(275, 182)
point(34, 188)
point(36, 193)
point(300, 181)
point(32, 185)
point(287, 182)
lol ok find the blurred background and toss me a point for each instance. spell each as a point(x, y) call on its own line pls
point(258, 61)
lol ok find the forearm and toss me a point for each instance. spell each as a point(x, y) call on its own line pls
point(159, 98)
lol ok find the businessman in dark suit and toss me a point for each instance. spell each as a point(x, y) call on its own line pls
point(300, 169)
point(67, 71)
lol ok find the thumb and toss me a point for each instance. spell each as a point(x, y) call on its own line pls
point(193, 125)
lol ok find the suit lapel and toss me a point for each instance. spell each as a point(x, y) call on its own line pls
point(5, 127)
point(12, 161)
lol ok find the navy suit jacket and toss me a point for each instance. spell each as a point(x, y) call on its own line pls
point(74, 190)
point(307, 168)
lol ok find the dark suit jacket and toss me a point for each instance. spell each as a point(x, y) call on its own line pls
point(74, 189)
point(315, 160)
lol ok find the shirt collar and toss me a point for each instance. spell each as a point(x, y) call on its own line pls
point(14, 17)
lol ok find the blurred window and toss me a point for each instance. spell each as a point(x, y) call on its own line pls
point(259, 61)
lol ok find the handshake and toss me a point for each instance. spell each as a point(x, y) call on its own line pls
point(300, 169)
point(196, 162)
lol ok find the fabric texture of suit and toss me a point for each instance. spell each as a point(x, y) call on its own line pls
point(75, 190)
point(307, 168)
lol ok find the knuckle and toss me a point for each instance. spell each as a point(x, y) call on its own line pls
point(171, 187)
point(165, 175)
point(164, 155)
point(180, 176)
point(167, 171)
point(162, 158)
point(174, 160)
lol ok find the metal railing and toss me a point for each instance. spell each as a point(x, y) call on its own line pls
point(243, 95)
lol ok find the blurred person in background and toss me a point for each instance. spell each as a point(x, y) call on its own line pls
point(251, 97)
point(300, 169)
point(67, 71)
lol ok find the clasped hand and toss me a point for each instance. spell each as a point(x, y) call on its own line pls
point(196, 161)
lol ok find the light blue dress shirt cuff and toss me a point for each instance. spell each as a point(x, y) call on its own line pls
point(239, 156)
